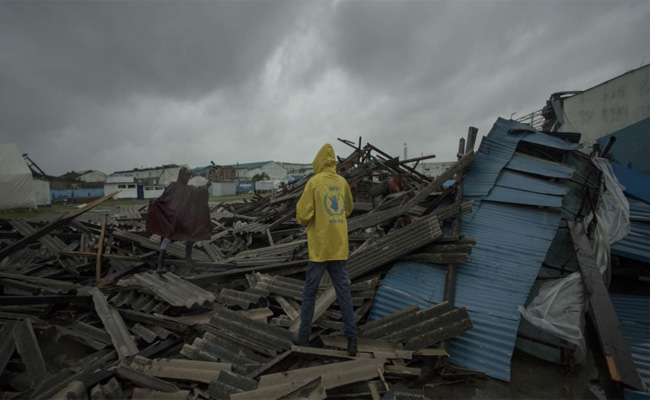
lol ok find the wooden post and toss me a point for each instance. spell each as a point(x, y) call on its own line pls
point(100, 248)
point(450, 282)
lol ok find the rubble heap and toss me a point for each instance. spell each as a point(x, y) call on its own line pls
point(83, 314)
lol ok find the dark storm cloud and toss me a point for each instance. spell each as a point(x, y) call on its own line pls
point(114, 84)
point(59, 58)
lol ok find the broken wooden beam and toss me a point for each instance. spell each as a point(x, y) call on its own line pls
point(612, 341)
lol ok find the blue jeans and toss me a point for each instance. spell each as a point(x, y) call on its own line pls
point(339, 275)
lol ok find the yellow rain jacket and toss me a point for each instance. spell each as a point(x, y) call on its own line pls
point(323, 208)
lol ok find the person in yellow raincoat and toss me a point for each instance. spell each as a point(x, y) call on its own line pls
point(323, 208)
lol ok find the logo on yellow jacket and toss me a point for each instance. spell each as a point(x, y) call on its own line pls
point(334, 204)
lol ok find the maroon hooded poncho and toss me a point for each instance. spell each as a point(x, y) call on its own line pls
point(181, 212)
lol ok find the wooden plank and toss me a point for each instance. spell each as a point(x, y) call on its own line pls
point(378, 347)
point(327, 353)
point(27, 240)
point(374, 393)
point(333, 375)
point(402, 371)
point(431, 352)
point(286, 390)
point(612, 341)
point(449, 173)
point(100, 248)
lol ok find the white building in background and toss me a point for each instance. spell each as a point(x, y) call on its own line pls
point(297, 168)
point(125, 184)
point(163, 175)
point(42, 192)
point(92, 176)
point(607, 107)
point(272, 169)
point(152, 191)
point(16, 183)
point(433, 169)
point(223, 188)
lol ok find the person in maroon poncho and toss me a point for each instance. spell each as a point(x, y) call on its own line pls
point(180, 213)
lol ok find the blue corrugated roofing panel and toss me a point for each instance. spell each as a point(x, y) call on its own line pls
point(639, 211)
point(543, 139)
point(512, 242)
point(632, 312)
point(528, 183)
point(533, 165)
point(510, 195)
point(513, 236)
point(489, 344)
point(629, 394)
point(636, 184)
point(632, 146)
point(636, 244)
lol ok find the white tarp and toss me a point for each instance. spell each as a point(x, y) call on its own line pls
point(612, 218)
point(16, 186)
point(42, 192)
point(558, 309)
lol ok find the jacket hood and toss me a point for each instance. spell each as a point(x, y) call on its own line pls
point(184, 176)
point(325, 160)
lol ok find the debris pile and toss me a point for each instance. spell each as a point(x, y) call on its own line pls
point(82, 314)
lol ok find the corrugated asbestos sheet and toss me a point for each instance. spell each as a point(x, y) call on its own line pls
point(170, 288)
point(636, 245)
point(632, 145)
point(632, 312)
point(512, 239)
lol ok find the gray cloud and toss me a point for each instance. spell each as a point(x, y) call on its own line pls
point(114, 85)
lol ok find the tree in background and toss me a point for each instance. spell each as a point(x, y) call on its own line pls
point(261, 177)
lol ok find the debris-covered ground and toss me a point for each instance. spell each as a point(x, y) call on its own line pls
point(440, 305)
point(83, 314)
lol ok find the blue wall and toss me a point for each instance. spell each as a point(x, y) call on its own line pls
point(61, 194)
point(245, 186)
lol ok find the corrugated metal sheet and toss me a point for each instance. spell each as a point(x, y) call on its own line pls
point(639, 211)
point(636, 245)
point(512, 241)
point(632, 312)
point(636, 184)
point(538, 166)
point(632, 146)
point(543, 139)
point(510, 195)
point(521, 181)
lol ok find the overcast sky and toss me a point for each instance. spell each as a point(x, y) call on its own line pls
point(112, 85)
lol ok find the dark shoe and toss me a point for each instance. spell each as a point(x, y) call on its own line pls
point(352, 347)
point(300, 340)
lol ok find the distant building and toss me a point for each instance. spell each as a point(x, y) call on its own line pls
point(125, 184)
point(92, 176)
point(163, 175)
point(297, 168)
point(433, 169)
point(272, 169)
point(16, 183)
point(152, 191)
